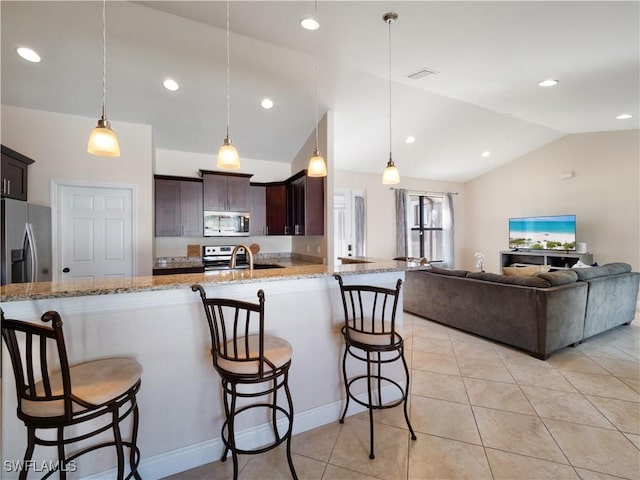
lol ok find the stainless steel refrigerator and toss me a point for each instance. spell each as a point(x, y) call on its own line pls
point(25, 235)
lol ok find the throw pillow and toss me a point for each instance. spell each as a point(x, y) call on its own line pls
point(528, 271)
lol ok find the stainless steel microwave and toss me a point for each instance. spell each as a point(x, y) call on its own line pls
point(226, 224)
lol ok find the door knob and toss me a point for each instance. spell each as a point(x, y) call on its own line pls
point(66, 270)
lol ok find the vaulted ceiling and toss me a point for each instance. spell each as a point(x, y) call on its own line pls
point(489, 58)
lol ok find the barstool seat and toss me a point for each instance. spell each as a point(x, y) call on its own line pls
point(95, 383)
point(244, 355)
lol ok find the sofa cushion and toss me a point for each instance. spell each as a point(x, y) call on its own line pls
point(559, 277)
point(528, 271)
point(617, 267)
point(603, 270)
point(510, 280)
point(446, 271)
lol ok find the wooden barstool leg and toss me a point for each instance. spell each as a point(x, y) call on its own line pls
point(134, 458)
point(370, 400)
point(117, 436)
point(31, 445)
point(232, 433)
point(294, 475)
point(406, 395)
point(225, 392)
point(274, 417)
point(61, 455)
point(346, 382)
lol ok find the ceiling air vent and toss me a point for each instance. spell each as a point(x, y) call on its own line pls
point(423, 72)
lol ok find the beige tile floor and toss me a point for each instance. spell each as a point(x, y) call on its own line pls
point(482, 410)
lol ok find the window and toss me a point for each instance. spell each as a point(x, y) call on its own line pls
point(425, 224)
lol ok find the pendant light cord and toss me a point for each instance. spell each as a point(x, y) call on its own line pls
point(104, 58)
point(228, 68)
point(389, 22)
point(315, 36)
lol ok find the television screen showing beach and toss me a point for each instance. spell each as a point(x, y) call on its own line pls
point(543, 233)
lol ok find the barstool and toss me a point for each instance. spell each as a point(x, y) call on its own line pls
point(370, 336)
point(67, 396)
point(243, 355)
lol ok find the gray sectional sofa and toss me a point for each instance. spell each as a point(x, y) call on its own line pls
point(539, 314)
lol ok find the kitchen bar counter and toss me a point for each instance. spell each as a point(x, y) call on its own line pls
point(45, 290)
point(160, 322)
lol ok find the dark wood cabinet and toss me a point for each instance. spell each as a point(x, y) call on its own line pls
point(305, 209)
point(276, 205)
point(226, 192)
point(14, 174)
point(258, 210)
point(294, 206)
point(178, 206)
point(178, 270)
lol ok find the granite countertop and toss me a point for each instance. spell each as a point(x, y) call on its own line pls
point(45, 290)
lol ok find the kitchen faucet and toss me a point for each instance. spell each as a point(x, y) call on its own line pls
point(232, 260)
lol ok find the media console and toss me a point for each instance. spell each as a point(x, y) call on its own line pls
point(556, 259)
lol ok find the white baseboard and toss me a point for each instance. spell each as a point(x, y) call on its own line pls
point(193, 456)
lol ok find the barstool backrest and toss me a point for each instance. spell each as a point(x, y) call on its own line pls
point(370, 309)
point(232, 324)
point(37, 352)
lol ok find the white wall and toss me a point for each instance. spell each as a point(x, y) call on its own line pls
point(380, 208)
point(187, 164)
point(604, 195)
point(58, 144)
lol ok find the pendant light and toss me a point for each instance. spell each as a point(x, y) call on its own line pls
point(317, 167)
point(103, 140)
point(228, 157)
point(390, 176)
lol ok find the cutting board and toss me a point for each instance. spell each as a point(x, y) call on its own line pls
point(193, 250)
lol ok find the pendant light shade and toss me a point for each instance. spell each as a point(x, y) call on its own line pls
point(228, 157)
point(390, 176)
point(317, 166)
point(103, 140)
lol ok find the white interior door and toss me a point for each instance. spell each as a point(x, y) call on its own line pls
point(349, 223)
point(95, 234)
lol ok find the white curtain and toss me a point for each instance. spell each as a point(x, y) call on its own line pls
point(447, 230)
point(402, 223)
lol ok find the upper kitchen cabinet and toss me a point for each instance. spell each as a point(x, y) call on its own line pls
point(178, 206)
point(305, 205)
point(276, 203)
point(258, 210)
point(14, 174)
point(226, 192)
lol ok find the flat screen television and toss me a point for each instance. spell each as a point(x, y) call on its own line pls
point(557, 232)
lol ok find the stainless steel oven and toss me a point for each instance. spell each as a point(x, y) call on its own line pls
point(226, 224)
point(216, 257)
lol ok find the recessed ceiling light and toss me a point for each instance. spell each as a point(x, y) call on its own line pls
point(309, 23)
point(549, 83)
point(624, 116)
point(411, 139)
point(28, 54)
point(266, 103)
point(170, 84)
point(486, 153)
